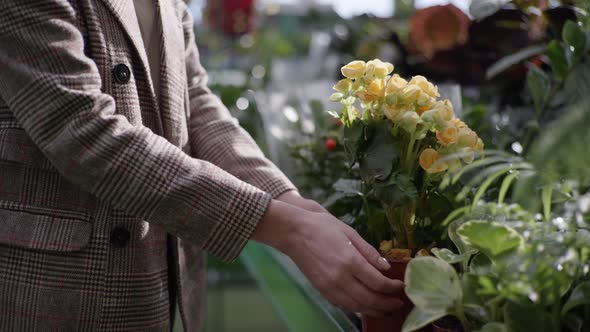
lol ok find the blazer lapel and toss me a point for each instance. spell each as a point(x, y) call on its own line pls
point(172, 73)
point(124, 11)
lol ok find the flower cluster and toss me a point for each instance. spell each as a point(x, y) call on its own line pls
point(412, 107)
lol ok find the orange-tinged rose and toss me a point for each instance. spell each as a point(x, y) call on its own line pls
point(385, 246)
point(467, 138)
point(422, 109)
point(374, 91)
point(399, 254)
point(423, 253)
point(355, 69)
point(429, 161)
point(447, 136)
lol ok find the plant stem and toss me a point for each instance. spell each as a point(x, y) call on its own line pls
point(556, 316)
point(462, 318)
point(493, 304)
point(586, 325)
point(409, 154)
point(395, 219)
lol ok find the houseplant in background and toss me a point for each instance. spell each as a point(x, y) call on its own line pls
point(404, 141)
point(522, 266)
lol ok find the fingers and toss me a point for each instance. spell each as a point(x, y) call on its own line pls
point(373, 279)
point(372, 299)
point(314, 206)
point(341, 298)
point(368, 252)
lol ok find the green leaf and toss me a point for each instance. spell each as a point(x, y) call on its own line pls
point(508, 61)
point(462, 247)
point(481, 265)
point(580, 296)
point(353, 136)
point(538, 84)
point(560, 153)
point(333, 114)
point(433, 285)
point(381, 154)
point(546, 194)
point(397, 191)
point(557, 56)
point(573, 322)
point(348, 186)
point(494, 327)
point(491, 238)
point(449, 256)
point(419, 318)
point(573, 35)
point(527, 317)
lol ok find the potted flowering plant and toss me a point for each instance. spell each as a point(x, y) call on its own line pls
point(404, 140)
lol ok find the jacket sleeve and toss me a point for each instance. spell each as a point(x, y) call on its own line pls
point(54, 91)
point(216, 136)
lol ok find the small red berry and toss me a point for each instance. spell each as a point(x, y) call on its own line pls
point(331, 144)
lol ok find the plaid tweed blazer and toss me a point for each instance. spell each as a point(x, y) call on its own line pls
point(96, 173)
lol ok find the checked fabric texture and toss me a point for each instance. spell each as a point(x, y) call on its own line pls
point(97, 174)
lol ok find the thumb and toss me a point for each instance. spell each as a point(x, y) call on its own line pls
point(370, 253)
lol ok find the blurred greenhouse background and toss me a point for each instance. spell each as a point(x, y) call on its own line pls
point(273, 63)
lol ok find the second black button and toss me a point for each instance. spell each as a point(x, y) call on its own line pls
point(121, 73)
point(120, 237)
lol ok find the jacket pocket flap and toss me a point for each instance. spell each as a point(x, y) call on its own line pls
point(43, 229)
point(17, 147)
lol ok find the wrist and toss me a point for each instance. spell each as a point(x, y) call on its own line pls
point(281, 225)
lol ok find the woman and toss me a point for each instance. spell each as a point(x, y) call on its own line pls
point(119, 169)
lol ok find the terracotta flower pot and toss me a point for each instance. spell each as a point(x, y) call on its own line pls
point(395, 322)
point(446, 324)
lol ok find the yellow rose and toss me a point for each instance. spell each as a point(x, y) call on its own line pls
point(454, 165)
point(336, 96)
point(395, 85)
point(429, 161)
point(469, 156)
point(429, 88)
point(446, 108)
point(355, 69)
point(479, 145)
point(458, 123)
point(409, 121)
point(379, 68)
point(373, 91)
point(411, 93)
point(343, 85)
point(435, 117)
point(395, 112)
point(467, 138)
point(447, 136)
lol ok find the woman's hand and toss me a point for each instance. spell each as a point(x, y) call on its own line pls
point(336, 260)
point(292, 197)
